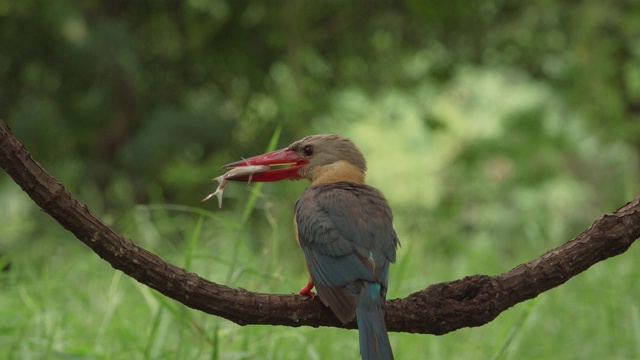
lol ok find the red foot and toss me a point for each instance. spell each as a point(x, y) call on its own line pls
point(306, 290)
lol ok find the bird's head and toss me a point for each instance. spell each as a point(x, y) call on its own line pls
point(318, 158)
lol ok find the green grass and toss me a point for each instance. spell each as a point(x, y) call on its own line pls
point(60, 301)
point(465, 203)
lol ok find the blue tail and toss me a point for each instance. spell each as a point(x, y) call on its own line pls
point(374, 341)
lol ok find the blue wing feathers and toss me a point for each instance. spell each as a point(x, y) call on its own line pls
point(347, 236)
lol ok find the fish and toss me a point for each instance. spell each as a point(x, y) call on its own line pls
point(239, 171)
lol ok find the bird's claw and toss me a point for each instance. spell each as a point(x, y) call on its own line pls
point(306, 290)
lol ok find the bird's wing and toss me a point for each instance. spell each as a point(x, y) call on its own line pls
point(345, 231)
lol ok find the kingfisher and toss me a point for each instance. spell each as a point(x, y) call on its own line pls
point(345, 230)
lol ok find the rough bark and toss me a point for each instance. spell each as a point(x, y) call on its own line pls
point(438, 309)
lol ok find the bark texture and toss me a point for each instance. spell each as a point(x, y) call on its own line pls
point(438, 309)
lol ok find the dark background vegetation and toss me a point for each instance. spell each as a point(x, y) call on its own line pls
point(498, 129)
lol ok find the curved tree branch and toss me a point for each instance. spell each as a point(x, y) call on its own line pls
point(438, 309)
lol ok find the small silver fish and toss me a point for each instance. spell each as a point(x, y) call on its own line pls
point(239, 171)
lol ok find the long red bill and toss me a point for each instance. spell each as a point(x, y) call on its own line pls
point(274, 158)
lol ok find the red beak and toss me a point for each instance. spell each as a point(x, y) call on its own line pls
point(274, 158)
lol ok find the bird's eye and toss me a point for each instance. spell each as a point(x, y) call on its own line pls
point(308, 150)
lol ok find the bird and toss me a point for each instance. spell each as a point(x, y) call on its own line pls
point(344, 228)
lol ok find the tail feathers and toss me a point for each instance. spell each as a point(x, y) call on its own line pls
point(374, 341)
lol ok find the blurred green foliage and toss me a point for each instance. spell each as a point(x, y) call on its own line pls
point(151, 91)
point(497, 129)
